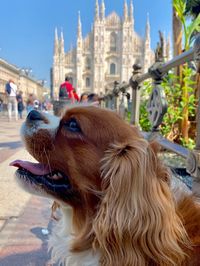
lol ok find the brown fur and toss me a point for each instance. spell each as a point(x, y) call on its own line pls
point(121, 200)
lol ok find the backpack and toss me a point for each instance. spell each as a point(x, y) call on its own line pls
point(63, 93)
point(8, 88)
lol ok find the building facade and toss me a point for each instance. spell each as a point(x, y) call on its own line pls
point(105, 55)
point(26, 83)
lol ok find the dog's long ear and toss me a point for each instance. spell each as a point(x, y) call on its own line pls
point(137, 222)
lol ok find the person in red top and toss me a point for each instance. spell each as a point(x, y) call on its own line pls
point(76, 95)
point(66, 91)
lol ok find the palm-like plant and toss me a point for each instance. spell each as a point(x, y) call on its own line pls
point(194, 26)
point(189, 29)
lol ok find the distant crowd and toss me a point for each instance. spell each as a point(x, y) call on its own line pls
point(17, 105)
point(67, 93)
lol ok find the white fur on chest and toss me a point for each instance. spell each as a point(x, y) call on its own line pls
point(60, 243)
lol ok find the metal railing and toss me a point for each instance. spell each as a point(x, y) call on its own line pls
point(157, 106)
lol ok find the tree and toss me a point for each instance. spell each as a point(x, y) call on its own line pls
point(193, 10)
point(177, 37)
point(188, 32)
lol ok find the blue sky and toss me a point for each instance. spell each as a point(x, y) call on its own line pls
point(27, 27)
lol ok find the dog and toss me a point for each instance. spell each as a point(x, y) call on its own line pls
point(114, 193)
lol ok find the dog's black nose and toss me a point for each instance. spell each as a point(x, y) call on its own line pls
point(34, 115)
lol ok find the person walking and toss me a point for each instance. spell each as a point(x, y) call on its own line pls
point(84, 97)
point(1, 105)
point(20, 104)
point(11, 92)
point(93, 98)
point(30, 103)
point(76, 97)
point(66, 91)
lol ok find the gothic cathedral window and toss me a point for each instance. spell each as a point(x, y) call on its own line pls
point(113, 42)
point(112, 69)
point(87, 82)
point(87, 63)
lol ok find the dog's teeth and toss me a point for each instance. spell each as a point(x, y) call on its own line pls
point(59, 174)
point(56, 177)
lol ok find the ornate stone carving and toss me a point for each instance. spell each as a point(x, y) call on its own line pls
point(97, 46)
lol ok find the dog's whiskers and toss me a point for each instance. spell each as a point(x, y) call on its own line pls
point(44, 150)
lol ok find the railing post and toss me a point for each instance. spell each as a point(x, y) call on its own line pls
point(122, 111)
point(157, 105)
point(110, 100)
point(115, 102)
point(116, 94)
point(135, 109)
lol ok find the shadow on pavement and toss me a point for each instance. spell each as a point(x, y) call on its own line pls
point(38, 257)
point(35, 258)
point(11, 145)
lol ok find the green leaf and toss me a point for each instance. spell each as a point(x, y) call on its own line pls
point(194, 26)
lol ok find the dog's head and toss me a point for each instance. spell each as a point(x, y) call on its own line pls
point(93, 161)
point(70, 151)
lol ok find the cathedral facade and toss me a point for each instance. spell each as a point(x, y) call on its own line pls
point(105, 55)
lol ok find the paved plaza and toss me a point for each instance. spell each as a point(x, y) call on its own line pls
point(24, 219)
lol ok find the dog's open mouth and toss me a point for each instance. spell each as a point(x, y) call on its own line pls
point(41, 176)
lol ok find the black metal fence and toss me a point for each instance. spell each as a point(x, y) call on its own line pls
point(157, 106)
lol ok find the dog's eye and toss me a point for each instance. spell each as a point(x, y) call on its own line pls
point(72, 125)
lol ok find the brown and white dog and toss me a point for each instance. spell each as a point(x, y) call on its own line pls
point(118, 208)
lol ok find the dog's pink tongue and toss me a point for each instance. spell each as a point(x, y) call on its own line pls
point(34, 168)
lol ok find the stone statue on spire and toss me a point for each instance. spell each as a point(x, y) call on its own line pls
point(147, 32)
point(160, 49)
point(131, 17)
point(56, 42)
point(125, 11)
point(102, 10)
point(147, 46)
point(97, 11)
point(79, 29)
point(62, 48)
